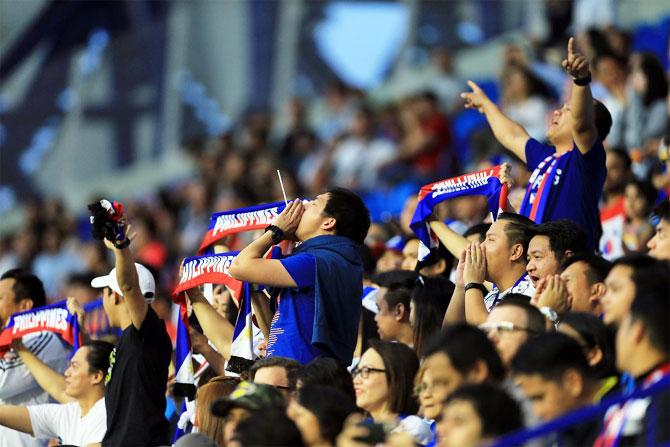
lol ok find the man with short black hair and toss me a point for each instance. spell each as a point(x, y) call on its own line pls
point(500, 259)
point(556, 378)
point(631, 275)
point(552, 243)
point(393, 317)
point(511, 323)
point(20, 291)
point(584, 277)
point(643, 351)
point(321, 282)
point(276, 372)
point(569, 175)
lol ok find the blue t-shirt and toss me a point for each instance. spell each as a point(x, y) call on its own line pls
point(576, 188)
point(293, 323)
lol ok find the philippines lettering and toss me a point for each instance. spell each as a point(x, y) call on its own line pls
point(227, 222)
point(462, 183)
point(208, 264)
point(56, 319)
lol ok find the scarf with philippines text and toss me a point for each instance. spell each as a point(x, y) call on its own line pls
point(52, 318)
point(207, 269)
point(485, 182)
point(238, 220)
point(546, 176)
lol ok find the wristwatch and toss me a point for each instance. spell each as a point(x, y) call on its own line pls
point(277, 233)
point(122, 244)
point(476, 285)
point(586, 80)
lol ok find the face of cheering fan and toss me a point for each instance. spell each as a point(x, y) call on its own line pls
point(313, 219)
point(78, 377)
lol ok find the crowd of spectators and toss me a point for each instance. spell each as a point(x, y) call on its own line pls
point(507, 324)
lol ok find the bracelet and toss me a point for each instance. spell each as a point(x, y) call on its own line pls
point(476, 285)
point(550, 314)
point(277, 233)
point(122, 244)
point(586, 80)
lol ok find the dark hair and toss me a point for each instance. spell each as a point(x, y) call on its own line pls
point(401, 365)
point(466, 345)
point(351, 215)
point(536, 321)
point(324, 371)
point(266, 429)
point(498, 412)
point(657, 82)
point(480, 229)
point(649, 274)
point(98, 356)
point(431, 298)
point(662, 210)
point(652, 307)
point(398, 295)
point(289, 365)
point(564, 235)
point(518, 230)
point(594, 333)
point(647, 190)
point(26, 287)
point(602, 119)
point(330, 406)
point(598, 267)
point(550, 356)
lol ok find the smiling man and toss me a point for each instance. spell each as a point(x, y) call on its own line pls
point(321, 282)
point(568, 175)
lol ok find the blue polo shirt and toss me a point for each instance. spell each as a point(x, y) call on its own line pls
point(576, 189)
point(293, 323)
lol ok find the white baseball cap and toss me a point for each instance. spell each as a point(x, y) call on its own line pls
point(144, 276)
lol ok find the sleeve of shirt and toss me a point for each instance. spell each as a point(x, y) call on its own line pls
point(536, 152)
point(302, 268)
point(596, 155)
point(46, 420)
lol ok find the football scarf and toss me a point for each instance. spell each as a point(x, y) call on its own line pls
point(225, 223)
point(485, 182)
point(52, 318)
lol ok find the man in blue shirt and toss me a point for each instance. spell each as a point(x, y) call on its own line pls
point(321, 282)
point(568, 175)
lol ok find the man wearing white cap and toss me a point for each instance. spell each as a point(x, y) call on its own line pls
point(137, 378)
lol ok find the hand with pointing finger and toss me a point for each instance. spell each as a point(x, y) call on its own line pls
point(476, 99)
point(575, 64)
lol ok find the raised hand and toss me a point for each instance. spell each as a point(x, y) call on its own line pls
point(555, 295)
point(289, 219)
point(475, 264)
point(576, 64)
point(475, 99)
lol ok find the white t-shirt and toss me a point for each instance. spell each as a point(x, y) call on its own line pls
point(64, 421)
point(18, 387)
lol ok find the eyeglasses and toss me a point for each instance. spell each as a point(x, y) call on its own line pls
point(503, 327)
point(365, 372)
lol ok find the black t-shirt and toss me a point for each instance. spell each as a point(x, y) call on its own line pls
point(135, 386)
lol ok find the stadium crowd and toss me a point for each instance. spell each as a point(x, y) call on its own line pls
point(361, 335)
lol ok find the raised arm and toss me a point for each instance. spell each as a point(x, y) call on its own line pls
point(51, 381)
point(475, 272)
point(584, 131)
point(250, 264)
point(126, 275)
point(216, 328)
point(451, 240)
point(509, 133)
point(16, 418)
